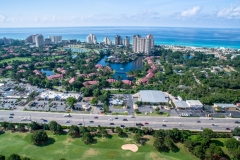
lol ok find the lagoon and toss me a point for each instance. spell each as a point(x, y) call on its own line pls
point(121, 68)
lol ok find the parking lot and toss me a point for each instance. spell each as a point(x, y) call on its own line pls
point(193, 112)
point(54, 106)
point(8, 103)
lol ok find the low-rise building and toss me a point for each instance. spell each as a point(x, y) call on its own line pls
point(194, 103)
point(181, 105)
point(224, 107)
point(153, 96)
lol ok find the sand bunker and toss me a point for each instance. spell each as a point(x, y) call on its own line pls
point(131, 147)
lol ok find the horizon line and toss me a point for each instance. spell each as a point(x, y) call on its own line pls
point(122, 26)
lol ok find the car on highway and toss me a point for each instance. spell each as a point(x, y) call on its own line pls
point(122, 125)
point(237, 121)
point(9, 120)
point(164, 120)
point(41, 119)
point(96, 117)
point(214, 125)
point(10, 116)
point(68, 121)
point(44, 120)
point(79, 124)
point(201, 128)
point(111, 123)
point(198, 121)
point(132, 117)
point(139, 124)
point(164, 125)
point(66, 115)
point(125, 119)
point(91, 121)
point(210, 118)
point(146, 123)
point(110, 119)
point(227, 128)
point(116, 117)
point(1, 118)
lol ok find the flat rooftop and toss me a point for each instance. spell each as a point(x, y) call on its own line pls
point(152, 96)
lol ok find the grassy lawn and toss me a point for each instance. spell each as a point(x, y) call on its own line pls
point(118, 107)
point(121, 113)
point(63, 146)
point(15, 59)
point(164, 114)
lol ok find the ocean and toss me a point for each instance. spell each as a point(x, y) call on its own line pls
point(197, 37)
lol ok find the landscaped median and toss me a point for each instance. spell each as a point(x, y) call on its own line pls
point(163, 114)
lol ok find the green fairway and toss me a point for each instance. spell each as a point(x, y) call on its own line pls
point(63, 146)
point(15, 59)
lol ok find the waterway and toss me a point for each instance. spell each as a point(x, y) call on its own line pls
point(121, 68)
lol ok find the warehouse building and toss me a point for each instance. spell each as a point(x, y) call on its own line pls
point(224, 107)
point(153, 96)
point(194, 103)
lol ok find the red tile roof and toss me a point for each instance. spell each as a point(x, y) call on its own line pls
point(127, 82)
point(72, 80)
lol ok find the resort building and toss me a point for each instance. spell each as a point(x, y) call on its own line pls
point(92, 39)
point(142, 45)
point(39, 40)
point(107, 41)
point(118, 40)
point(126, 41)
point(56, 39)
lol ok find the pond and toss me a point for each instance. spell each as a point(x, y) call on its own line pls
point(121, 68)
point(47, 71)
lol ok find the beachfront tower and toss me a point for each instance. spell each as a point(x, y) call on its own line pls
point(142, 45)
point(126, 41)
point(39, 40)
point(107, 41)
point(92, 39)
point(118, 40)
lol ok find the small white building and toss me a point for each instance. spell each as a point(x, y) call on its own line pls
point(194, 103)
point(181, 105)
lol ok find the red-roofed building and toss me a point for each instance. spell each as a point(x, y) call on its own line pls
point(111, 80)
point(91, 74)
point(22, 71)
point(88, 60)
point(82, 75)
point(61, 70)
point(89, 83)
point(150, 75)
point(98, 66)
point(72, 80)
point(55, 76)
point(127, 82)
point(238, 104)
point(9, 67)
point(61, 61)
point(38, 64)
point(142, 81)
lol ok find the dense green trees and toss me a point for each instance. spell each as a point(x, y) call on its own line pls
point(87, 138)
point(55, 127)
point(71, 101)
point(39, 137)
point(14, 157)
point(74, 131)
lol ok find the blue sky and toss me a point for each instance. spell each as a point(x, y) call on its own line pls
point(166, 13)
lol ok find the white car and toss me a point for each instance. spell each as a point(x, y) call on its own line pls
point(1, 118)
point(164, 120)
point(110, 119)
point(66, 115)
point(68, 121)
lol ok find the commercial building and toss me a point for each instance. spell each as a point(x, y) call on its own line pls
point(52, 95)
point(55, 39)
point(72, 41)
point(143, 45)
point(126, 41)
point(118, 40)
point(107, 41)
point(181, 105)
point(224, 107)
point(92, 39)
point(153, 96)
point(194, 103)
point(39, 40)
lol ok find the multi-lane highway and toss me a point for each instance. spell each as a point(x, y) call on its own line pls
point(220, 124)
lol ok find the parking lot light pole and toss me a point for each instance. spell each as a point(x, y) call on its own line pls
point(83, 121)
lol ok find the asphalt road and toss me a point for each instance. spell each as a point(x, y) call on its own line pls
point(104, 120)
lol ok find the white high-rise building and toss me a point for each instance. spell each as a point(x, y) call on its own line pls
point(118, 40)
point(143, 45)
point(91, 38)
point(39, 40)
point(126, 41)
point(55, 39)
point(107, 41)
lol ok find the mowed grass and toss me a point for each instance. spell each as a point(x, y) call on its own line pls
point(15, 59)
point(63, 146)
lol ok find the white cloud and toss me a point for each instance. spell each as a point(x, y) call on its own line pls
point(2, 17)
point(190, 12)
point(231, 12)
